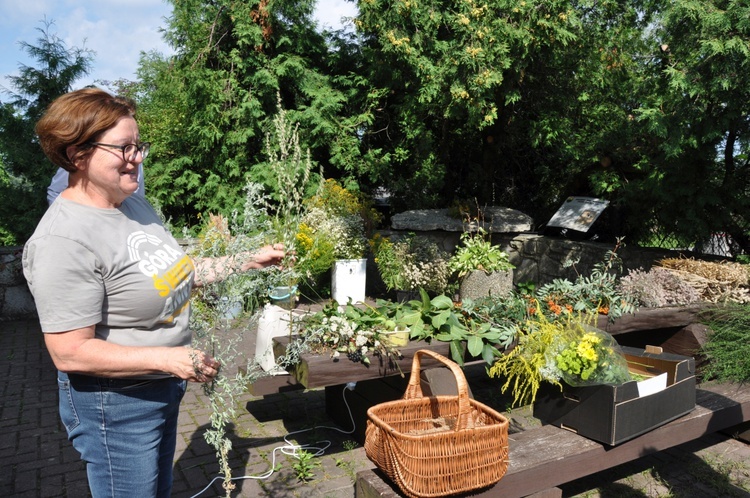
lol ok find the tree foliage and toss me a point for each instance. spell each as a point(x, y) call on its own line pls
point(209, 108)
point(525, 103)
point(695, 122)
point(505, 102)
point(457, 76)
point(24, 170)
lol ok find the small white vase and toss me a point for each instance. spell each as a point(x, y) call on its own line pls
point(274, 322)
point(348, 280)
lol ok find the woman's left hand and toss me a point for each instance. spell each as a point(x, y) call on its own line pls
point(267, 256)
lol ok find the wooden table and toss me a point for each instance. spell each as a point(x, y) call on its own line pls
point(546, 457)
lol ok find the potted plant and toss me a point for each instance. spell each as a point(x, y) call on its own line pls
point(333, 231)
point(411, 263)
point(483, 269)
point(597, 293)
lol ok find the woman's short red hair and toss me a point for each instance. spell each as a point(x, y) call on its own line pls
point(78, 118)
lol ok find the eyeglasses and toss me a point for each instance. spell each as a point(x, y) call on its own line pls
point(129, 151)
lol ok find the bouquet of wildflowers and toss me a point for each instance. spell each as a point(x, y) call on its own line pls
point(342, 234)
point(583, 356)
point(348, 331)
point(411, 263)
point(342, 218)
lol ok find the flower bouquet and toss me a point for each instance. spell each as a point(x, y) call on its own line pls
point(351, 332)
point(556, 351)
point(411, 263)
point(585, 356)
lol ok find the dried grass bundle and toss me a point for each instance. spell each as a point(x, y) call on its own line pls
point(715, 281)
point(725, 271)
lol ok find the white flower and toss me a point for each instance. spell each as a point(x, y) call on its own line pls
point(361, 340)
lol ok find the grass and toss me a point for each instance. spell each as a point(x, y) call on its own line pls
point(728, 477)
point(727, 347)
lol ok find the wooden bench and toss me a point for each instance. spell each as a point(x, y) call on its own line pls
point(674, 329)
point(316, 371)
point(546, 457)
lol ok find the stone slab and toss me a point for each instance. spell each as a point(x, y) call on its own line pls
point(497, 219)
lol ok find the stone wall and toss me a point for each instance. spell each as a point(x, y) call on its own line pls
point(537, 258)
point(15, 298)
point(541, 259)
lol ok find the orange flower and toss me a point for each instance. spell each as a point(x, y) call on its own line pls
point(554, 307)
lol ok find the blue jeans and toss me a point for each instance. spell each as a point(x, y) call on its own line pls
point(125, 431)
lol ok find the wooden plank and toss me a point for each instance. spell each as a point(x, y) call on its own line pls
point(322, 370)
point(652, 319)
point(546, 457)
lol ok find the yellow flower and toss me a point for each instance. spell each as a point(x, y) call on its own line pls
point(586, 351)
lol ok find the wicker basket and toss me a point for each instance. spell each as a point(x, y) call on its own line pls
point(438, 445)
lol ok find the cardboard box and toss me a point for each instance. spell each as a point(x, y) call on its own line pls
point(613, 414)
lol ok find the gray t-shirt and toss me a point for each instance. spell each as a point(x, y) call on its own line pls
point(118, 269)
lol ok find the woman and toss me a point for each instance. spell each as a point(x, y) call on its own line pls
point(112, 289)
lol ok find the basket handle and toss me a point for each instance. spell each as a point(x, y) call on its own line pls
point(414, 388)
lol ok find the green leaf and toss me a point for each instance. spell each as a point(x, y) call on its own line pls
point(489, 353)
point(442, 302)
point(440, 319)
point(475, 345)
point(457, 352)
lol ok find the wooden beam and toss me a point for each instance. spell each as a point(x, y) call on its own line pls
point(320, 370)
point(652, 319)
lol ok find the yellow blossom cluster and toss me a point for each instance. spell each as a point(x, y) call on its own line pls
point(587, 347)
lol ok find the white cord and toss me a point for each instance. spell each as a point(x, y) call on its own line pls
point(292, 449)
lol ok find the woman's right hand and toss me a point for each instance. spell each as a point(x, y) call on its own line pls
point(194, 365)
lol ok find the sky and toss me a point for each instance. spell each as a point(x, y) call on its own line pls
point(116, 30)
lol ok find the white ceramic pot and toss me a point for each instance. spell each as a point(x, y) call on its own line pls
point(348, 280)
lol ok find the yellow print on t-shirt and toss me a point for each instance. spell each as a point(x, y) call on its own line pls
point(174, 276)
point(169, 267)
